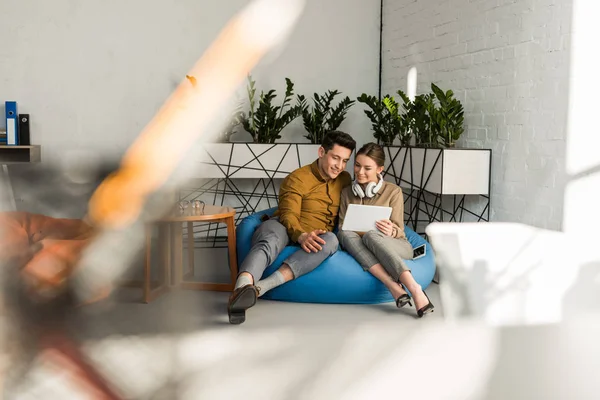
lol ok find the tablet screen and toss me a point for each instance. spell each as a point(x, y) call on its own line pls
point(361, 218)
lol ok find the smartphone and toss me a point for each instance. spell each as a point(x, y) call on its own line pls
point(419, 251)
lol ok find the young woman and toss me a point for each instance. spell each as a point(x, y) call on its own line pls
point(381, 252)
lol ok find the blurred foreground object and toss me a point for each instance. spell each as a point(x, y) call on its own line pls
point(88, 256)
point(44, 249)
point(582, 156)
point(514, 274)
point(37, 255)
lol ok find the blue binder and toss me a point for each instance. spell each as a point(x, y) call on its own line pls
point(12, 124)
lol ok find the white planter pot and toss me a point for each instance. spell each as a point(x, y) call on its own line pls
point(440, 171)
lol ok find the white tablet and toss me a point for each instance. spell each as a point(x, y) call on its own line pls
point(361, 218)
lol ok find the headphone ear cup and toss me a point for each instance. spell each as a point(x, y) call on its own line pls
point(372, 187)
point(377, 187)
point(357, 190)
point(369, 189)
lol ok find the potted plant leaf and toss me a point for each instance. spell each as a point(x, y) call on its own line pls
point(419, 116)
point(388, 120)
point(322, 117)
point(448, 117)
point(266, 121)
point(399, 112)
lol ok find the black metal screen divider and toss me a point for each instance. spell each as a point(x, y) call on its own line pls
point(422, 206)
point(244, 197)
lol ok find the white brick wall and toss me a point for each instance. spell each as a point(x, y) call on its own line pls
point(508, 62)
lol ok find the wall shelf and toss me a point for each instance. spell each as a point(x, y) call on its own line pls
point(20, 154)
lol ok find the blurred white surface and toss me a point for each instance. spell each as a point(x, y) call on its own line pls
point(511, 274)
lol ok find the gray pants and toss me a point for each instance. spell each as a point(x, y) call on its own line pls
point(376, 248)
point(271, 238)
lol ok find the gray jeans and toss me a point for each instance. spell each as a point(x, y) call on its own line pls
point(270, 239)
point(376, 248)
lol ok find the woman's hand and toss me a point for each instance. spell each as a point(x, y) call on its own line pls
point(385, 226)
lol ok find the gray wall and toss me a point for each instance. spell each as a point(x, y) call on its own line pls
point(93, 73)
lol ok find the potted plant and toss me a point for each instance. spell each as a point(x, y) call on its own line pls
point(388, 118)
point(420, 116)
point(448, 117)
point(266, 121)
point(322, 117)
point(436, 119)
point(432, 167)
point(262, 158)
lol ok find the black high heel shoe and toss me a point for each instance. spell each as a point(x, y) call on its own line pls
point(403, 300)
point(426, 309)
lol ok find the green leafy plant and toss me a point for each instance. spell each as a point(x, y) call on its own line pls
point(323, 118)
point(448, 118)
point(388, 119)
point(399, 112)
point(266, 121)
point(420, 114)
point(435, 119)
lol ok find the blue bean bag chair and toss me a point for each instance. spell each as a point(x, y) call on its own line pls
point(339, 279)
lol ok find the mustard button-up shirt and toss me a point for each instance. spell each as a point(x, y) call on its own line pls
point(309, 201)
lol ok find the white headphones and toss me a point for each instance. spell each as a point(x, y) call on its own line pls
point(371, 189)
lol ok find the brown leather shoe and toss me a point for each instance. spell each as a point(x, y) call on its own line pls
point(240, 300)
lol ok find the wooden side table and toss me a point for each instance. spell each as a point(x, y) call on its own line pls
point(171, 238)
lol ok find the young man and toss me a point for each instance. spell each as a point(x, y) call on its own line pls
point(309, 200)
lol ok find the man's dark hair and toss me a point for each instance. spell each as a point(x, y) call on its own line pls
point(340, 138)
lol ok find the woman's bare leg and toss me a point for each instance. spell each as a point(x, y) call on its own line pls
point(380, 273)
point(406, 278)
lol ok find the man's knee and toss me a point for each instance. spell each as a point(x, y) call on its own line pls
point(272, 235)
point(372, 237)
point(269, 229)
point(331, 242)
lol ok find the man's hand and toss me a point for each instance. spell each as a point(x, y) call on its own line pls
point(385, 226)
point(311, 241)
